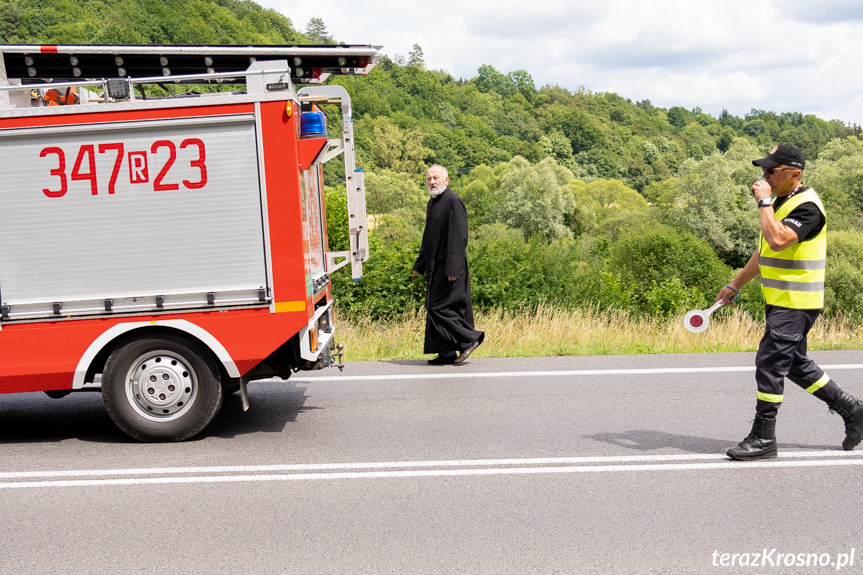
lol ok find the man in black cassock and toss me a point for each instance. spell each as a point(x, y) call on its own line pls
point(443, 260)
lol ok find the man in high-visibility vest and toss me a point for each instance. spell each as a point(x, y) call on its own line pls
point(790, 259)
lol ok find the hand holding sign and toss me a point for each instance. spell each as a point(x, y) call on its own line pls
point(698, 320)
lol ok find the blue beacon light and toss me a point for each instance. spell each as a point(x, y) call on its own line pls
point(313, 125)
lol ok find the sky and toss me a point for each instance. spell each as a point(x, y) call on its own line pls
point(739, 55)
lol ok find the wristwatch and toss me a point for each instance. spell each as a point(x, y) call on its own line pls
point(765, 202)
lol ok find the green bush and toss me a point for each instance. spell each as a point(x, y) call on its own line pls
point(336, 199)
point(507, 271)
point(843, 284)
point(497, 257)
point(666, 270)
point(388, 287)
point(670, 297)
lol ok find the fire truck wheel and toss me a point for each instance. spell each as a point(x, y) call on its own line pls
point(161, 389)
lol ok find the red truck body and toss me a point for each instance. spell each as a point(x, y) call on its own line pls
point(169, 249)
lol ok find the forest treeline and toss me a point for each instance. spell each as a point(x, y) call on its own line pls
point(576, 197)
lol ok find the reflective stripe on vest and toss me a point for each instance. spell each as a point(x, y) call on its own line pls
point(794, 277)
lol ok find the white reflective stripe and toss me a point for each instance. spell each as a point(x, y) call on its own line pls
point(792, 264)
point(792, 286)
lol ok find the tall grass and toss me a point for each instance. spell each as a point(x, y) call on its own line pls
point(546, 330)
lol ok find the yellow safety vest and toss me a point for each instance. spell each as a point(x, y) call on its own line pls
point(794, 277)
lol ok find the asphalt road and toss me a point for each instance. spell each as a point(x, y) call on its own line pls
point(541, 465)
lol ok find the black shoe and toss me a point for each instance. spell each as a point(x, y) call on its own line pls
point(759, 444)
point(443, 360)
point(469, 349)
point(851, 410)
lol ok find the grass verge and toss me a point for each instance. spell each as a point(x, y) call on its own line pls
point(548, 331)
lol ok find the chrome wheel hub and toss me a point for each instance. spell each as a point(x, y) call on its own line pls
point(161, 386)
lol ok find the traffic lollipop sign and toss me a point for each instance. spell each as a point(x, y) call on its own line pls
point(697, 320)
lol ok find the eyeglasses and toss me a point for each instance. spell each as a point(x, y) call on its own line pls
point(772, 171)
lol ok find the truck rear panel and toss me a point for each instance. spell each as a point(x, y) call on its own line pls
point(127, 212)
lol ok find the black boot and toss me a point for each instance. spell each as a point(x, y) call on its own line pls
point(851, 410)
point(759, 444)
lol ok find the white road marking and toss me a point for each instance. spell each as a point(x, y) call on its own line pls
point(413, 469)
point(401, 464)
point(563, 373)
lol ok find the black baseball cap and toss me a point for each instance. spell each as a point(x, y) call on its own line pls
point(779, 155)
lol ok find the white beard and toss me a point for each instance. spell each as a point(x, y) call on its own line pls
point(437, 190)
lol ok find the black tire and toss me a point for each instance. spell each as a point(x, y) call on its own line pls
point(182, 395)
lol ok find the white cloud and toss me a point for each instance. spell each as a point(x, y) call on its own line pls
point(734, 54)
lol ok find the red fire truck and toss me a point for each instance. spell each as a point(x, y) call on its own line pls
point(169, 245)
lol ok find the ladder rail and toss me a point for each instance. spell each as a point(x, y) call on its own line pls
point(310, 64)
point(354, 178)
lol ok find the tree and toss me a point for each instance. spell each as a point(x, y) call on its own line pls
point(837, 177)
point(534, 199)
point(10, 17)
point(709, 203)
point(397, 229)
point(606, 208)
point(522, 82)
point(729, 120)
point(416, 58)
point(726, 137)
point(388, 146)
point(600, 162)
point(389, 192)
point(650, 152)
point(478, 190)
point(607, 197)
point(576, 125)
point(739, 156)
point(677, 116)
point(645, 105)
point(490, 80)
point(557, 145)
point(317, 33)
point(660, 192)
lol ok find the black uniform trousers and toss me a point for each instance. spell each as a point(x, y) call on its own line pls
point(782, 353)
